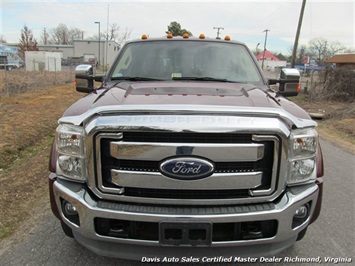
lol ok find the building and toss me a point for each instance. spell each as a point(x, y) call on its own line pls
point(81, 49)
point(271, 62)
point(104, 51)
point(341, 60)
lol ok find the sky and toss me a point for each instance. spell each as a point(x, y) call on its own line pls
point(245, 21)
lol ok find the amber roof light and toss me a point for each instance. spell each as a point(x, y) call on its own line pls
point(144, 37)
point(185, 36)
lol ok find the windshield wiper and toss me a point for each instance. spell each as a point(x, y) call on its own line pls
point(204, 79)
point(135, 78)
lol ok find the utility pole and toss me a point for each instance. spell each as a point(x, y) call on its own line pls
point(262, 64)
point(218, 28)
point(98, 60)
point(294, 51)
point(45, 36)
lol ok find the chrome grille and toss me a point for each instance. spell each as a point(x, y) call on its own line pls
point(128, 165)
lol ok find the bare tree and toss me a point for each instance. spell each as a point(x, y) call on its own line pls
point(63, 35)
point(123, 36)
point(75, 34)
point(336, 48)
point(301, 54)
point(60, 34)
point(318, 47)
point(2, 39)
point(112, 34)
point(27, 42)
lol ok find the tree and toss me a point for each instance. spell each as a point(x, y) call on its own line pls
point(114, 34)
point(2, 39)
point(62, 35)
point(318, 47)
point(175, 29)
point(27, 42)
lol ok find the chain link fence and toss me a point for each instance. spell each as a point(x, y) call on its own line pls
point(19, 80)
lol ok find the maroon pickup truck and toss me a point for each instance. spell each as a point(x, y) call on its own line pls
point(185, 152)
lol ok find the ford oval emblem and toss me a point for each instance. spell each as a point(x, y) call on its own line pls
point(186, 168)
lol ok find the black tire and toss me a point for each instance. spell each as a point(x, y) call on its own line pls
point(301, 234)
point(67, 230)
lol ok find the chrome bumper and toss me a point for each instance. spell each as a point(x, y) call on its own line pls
point(283, 211)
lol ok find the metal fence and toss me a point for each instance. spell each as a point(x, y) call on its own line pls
point(20, 81)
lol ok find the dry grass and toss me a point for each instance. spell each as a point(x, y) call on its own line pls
point(20, 81)
point(27, 124)
point(338, 124)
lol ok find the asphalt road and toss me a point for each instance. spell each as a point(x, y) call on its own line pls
point(41, 241)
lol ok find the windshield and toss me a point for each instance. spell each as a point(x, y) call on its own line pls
point(167, 60)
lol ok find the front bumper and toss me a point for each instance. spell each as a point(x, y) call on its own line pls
point(89, 208)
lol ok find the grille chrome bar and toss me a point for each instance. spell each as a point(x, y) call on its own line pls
point(216, 152)
point(157, 180)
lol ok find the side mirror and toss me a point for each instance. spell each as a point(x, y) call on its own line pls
point(84, 78)
point(289, 82)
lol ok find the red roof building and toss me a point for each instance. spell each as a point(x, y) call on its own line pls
point(268, 56)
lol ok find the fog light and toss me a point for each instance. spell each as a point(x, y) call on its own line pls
point(69, 209)
point(301, 215)
point(70, 212)
point(301, 212)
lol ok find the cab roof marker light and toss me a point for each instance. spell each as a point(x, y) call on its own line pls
point(202, 36)
point(227, 38)
point(185, 36)
point(144, 36)
point(169, 36)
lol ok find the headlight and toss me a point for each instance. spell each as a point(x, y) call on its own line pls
point(302, 156)
point(70, 152)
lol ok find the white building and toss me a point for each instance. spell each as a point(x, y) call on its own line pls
point(108, 50)
point(40, 60)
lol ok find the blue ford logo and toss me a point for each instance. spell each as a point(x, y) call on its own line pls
point(186, 168)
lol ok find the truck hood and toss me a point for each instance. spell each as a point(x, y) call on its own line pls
point(176, 95)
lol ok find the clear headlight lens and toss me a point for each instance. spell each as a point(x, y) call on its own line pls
point(302, 156)
point(71, 152)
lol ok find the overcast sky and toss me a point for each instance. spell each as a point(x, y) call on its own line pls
point(242, 20)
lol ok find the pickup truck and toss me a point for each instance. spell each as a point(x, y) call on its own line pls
point(184, 151)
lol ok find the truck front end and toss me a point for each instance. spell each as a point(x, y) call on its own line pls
point(184, 167)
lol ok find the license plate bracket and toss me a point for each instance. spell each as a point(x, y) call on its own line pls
point(189, 233)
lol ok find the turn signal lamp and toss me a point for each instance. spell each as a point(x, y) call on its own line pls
point(70, 152)
point(185, 36)
point(202, 36)
point(169, 36)
point(227, 38)
point(298, 89)
point(144, 37)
